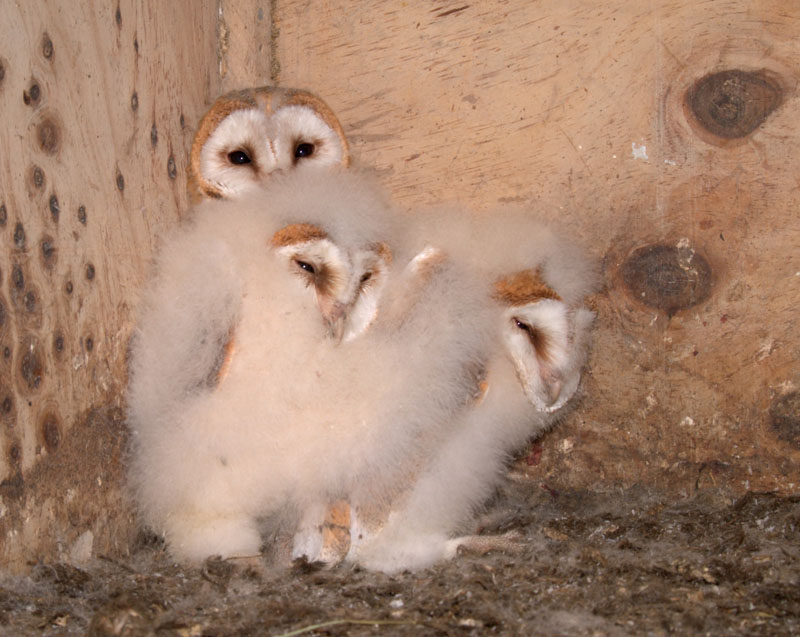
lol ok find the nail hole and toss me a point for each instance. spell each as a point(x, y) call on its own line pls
point(58, 343)
point(68, 287)
point(49, 135)
point(50, 431)
point(82, 214)
point(54, 207)
point(90, 272)
point(120, 182)
point(31, 364)
point(135, 102)
point(49, 252)
point(32, 95)
point(37, 176)
point(47, 46)
point(19, 235)
point(17, 278)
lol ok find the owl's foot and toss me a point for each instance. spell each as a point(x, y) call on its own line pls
point(327, 542)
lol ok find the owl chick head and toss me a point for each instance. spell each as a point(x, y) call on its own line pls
point(247, 135)
point(544, 336)
point(346, 282)
point(334, 230)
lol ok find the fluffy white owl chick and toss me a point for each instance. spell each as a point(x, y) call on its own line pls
point(247, 135)
point(245, 290)
point(543, 335)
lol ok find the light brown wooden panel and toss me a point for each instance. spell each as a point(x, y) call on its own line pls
point(577, 109)
point(99, 100)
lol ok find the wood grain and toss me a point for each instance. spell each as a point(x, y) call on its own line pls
point(98, 102)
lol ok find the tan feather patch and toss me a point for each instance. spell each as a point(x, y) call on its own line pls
point(297, 233)
point(336, 533)
point(522, 288)
point(383, 251)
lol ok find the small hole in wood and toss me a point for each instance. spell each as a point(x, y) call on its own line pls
point(90, 272)
point(19, 236)
point(58, 343)
point(47, 46)
point(3, 216)
point(17, 278)
point(48, 134)
point(89, 343)
point(120, 182)
point(82, 214)
point(118, 17)
point(135, 102)
point(32, 94)
point(172, 171)
point(48, 246)
point(31, 364)
point(68, 287)
point(153, 135)
point(55, 209)
point(50, 431)
point(37, 177)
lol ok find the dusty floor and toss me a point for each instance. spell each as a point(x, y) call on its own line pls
point(629, 564)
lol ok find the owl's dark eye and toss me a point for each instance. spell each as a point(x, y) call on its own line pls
point(523, 326)
point(239, 157)
point(305, 266)
point(365, 277)
point(303, 149)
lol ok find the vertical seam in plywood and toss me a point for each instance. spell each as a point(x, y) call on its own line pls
point(223, 38)
point(274, 33)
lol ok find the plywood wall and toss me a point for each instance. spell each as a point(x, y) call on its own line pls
point(592, 114)
point(98, 103)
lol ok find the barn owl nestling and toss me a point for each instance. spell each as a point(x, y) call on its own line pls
point(247, 135)
point(539, 281)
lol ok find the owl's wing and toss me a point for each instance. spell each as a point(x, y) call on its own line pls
point(189, 312)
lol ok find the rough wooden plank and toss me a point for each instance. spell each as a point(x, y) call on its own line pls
point(98, 103)
point(577, 109)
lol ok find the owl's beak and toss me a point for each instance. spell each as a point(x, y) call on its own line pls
point(335, 321)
